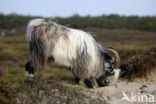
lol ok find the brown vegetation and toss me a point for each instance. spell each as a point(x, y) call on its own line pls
point(138, 64)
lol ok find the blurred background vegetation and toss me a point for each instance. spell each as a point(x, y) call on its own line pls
point(112, 21)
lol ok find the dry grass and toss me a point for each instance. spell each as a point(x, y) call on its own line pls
point(138, 64)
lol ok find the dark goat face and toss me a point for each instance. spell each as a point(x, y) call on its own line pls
point(106, 78)
point(91, 82)
point(109, 68)
point(110, 72)
point(102, 80)
point(29, 69)
point(109, 63)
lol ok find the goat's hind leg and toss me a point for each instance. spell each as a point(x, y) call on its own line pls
point(29, 70)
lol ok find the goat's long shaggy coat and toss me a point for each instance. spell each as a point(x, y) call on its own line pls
point(73, 48)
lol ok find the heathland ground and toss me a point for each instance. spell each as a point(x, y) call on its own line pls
point(56, 85)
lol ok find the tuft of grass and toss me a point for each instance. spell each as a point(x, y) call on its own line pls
point(138, 64)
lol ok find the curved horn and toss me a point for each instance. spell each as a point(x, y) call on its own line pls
point(116, 55)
